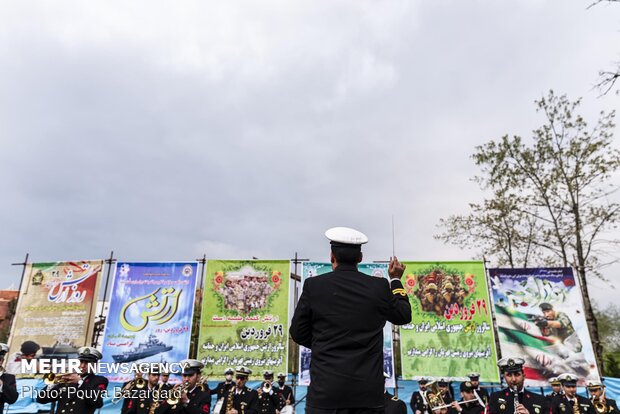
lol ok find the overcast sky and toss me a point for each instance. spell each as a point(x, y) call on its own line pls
point(165, 131)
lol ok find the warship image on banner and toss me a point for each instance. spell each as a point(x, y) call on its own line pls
point(62, 349)
point(145, 349)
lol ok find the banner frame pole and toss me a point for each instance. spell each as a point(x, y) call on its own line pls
point(100, 320)
point(21, 282)
point(296, 278)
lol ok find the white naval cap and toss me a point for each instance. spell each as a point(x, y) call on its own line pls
point(346, 235)
point(594, 384)
point(4, 348)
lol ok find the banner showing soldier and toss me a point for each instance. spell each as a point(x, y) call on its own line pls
point(55, 312)
point(451, 331)
point(540, 316)
point(245, 314)
point(150, 315)
point(311, 269)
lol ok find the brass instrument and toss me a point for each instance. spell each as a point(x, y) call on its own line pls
point(203, 382)
point(600, 403)
point(138, 383)
point(51, 378)
point(229, 400)
point(575, 406)
point(434, 399)
point(176, 393)
point(266, 387)
point(156, 401)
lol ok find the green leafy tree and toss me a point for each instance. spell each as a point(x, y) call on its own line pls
point(549, 198)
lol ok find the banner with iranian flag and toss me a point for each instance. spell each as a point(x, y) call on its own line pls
point(540, 317)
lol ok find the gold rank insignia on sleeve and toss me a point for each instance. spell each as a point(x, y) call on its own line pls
point(399, 291)
point(395, 398)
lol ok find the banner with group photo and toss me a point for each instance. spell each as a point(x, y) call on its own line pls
point(245, 314)
point(540, 317)
point(56, 309)
point(451, 331)
point(310, 269)
point(150, 315)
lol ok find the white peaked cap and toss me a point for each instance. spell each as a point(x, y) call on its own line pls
point(346, 235)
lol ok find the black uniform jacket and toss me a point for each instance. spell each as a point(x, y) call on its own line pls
point(245, 402)
point(9, 390)
point(502, 402)
point(561, 405)
point(393, 405)
point(199, 402)
point(147, 397)
point(71, 398)
point(340, 316)
point(221, 388)
point(285, 393)
point(417, 403)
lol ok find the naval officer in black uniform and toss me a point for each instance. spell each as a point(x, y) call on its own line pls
point(556, 390)
point(597, 391)
point(240, 399)
point(503, 401)
point(195, 398)
point(284, 392)
point(392, 404)
point(417, 403)
point(223, 386)
point(340, 317)
point(8, 388)
point(268, 398)
point(79, 393)
point(570, 402)
point(474, 379)
point(467, 394)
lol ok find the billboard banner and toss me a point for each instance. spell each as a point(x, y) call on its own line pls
point(310, 269)
point(56, 308)
point(451, 331)
point(245, 314)
point(150, 315)
point(540, 317)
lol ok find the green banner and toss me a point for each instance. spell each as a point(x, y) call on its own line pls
point(451, 331)
point(244, 319)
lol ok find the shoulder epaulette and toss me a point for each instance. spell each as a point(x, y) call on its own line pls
point(399, 291)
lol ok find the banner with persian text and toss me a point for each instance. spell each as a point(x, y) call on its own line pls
point(150, 316)
point(451, 331)
point(540, 317)
point(245, 314)
point(56, 308)
point(305, 355)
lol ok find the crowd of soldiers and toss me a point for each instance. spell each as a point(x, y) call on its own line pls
point(246, 294)
point(232, 396)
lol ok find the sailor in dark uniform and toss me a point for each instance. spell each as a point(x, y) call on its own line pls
point(284, 392)
point(165, 376)
point(150, 399)
point(418, 404)
point(556, 389)
point(446, 390)
point(570, 402)
point(78, 393)
point(467, 394)
point(391, 403)
point(194, 397)
point(240, 399)
point(8, 389)
point(600, 401)
point(474, 378)
point(340, 316)
point(503, 401)
point(223, 386)
point(268, 398)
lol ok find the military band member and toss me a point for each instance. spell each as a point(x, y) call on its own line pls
point(241, 399)
point(164, 377)
point(8, 389)
point(194, 398)
point(284, 392)
point(418, 405)
point(78, 393)
point(391, 403)
point(467, 394)
point(149, 400)
point(446, 391)
point(126, 388)
point(570, 402)
point(503, 401)
point(268, 398)
point(601, 403)
point(228, 382)
point(474, 378)
point(556, 389)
